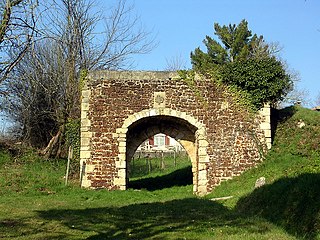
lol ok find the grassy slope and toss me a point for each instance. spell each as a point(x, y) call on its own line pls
point(291, 197)
point(34, 203)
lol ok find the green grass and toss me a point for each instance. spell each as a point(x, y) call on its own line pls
point(35, 204)
point(152, 167)
point(159, 173)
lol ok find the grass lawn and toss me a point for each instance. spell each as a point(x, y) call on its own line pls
point(35, 204)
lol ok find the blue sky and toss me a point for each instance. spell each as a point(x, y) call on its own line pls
point(181, 25)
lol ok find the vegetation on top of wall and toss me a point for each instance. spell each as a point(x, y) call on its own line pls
point(83, 78)
point(244, 61)
point(239, 96)
point(189, 76)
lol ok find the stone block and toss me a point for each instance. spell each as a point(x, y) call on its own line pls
point(85, 148)
point(203, 143)
point(122, 156)
point(85, 183)
point(201, 133)
point(121, 164)
point(202, 175)
point(204, 159)
point(84, 141)
point(84, 114)
point(195, 187)
point(122, 173)
point(183, 115)
point(202, 167)
point(85, 129)
point(85, 107)
point(167, 111)
point(202, 182)
point(265, 111)
point(267, 133)
point(85, 93)
point(119, 181)
point(265, 126)
point(89, 168)
point(122, 150)
point(85, 134)
point(85, 122)
point(269, 145)
point(159, 100)
point(85, 154)
point(121, 130)
point(202, 190)
point(267, 119)
point(202, 151)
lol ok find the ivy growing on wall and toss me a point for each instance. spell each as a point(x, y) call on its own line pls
point(73, 139)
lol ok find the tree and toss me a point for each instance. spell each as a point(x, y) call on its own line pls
point(17, 29)
point(175, 63)
point(50, 76)
point(245, 61)
point(37, 93)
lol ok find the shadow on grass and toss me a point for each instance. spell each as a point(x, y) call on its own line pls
point(279, 116)
point(181, 177)
point(291, 203)
point(158, 220)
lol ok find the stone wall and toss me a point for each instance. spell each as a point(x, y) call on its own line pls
point(122, 109)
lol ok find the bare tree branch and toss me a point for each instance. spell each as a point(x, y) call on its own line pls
point(16, 33)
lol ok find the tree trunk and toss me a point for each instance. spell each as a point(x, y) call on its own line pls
point(54, 147)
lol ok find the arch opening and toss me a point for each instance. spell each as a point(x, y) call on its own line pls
point(187, 130)
point(179, 129)
point(160, 162)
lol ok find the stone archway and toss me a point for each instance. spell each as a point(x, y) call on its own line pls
point(184, 128)
point(120, 109)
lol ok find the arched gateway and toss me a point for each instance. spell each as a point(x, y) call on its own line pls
point(120, 110)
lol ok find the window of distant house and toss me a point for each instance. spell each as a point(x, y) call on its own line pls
point(159, 140)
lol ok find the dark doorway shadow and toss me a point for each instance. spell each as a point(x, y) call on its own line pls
point(180, 177)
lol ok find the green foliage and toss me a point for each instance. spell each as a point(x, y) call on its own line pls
point(73, 139)
point(83, 78)
point(238, 45)
point(73, 136)
point(264, 79)
point(189, 77)
point(244, 61)
point(29, 174)
point(240, 97)
point(4, 157)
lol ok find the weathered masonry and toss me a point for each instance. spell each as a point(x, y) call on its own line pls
point(120, 110)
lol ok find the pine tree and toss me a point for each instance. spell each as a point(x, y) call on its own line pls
point(242, 59)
